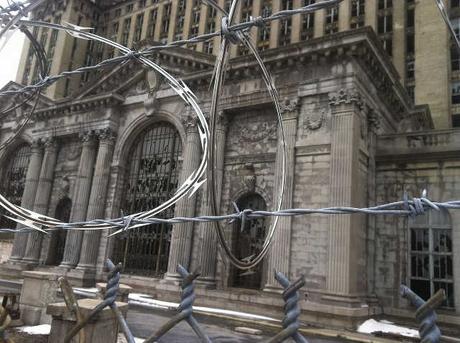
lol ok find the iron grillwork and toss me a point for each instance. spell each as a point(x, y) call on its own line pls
point(151, 179)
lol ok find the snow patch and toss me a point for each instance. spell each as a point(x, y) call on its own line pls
point(370, 326)
point(36, 330)
point(146, 300)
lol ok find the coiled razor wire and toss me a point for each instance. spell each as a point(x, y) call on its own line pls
point(231, 34)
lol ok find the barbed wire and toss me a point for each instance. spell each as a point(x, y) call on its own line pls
point(405, 208)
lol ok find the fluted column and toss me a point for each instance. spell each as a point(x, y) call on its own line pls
point(208, 250)
point(97, 200)
point(81, 200)
point(280, 251)
point(45, 185)
point(181, 238)
point(28, 198)
point(346, 269)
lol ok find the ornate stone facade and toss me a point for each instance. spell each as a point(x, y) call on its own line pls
point(344, 147)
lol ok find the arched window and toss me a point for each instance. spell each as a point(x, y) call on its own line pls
point(14, 179)
point(151, 179)
point(431, 255)
point(58, 238)
point(248, 241)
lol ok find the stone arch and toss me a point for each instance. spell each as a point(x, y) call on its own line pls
point(11, 148)
point(138, 125)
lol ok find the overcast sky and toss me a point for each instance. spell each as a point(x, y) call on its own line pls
point(10, 55)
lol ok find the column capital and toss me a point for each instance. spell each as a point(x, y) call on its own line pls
point(37, 144)
point(106, 135)
point(87, 136)
point(189, 122)
point(345, 96)
point(290, 108)
point(49, 143)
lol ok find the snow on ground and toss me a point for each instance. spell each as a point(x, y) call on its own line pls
point(36, 330)
point(147, 301)
point(370, 326)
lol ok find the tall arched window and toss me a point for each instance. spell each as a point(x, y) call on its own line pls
point(14, 179)
point(247, 241)
point(431, 255)
point(151, 179)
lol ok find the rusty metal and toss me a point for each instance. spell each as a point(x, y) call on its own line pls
point(72, 304)
point(426, 315)
point(292, 310)
point(185, 309)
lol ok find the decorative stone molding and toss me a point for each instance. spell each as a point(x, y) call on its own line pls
point(314, 121)
point(87, 136)
point(290, 108)
point(345, 96)
point(373, 120)
point(257, 132)
point(248, 177)
point(189, 122)
point(49, 142)
point(106, 135)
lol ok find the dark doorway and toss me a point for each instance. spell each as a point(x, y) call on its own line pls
point(58, 238)
point(247, 241)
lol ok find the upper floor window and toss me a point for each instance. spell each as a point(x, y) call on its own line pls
point(138, 27)
point(431, 266)
point(308, 22)
point(332, 20)
point(383, 4)
point(125, 32)
point(358, 8)
point(264, 32)
point(285, 25)
point(129, 8)
point(152, 22)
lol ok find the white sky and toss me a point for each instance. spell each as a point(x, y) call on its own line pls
point(10, 55)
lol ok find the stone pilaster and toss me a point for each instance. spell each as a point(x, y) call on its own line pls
point(279, 254)
point(345, 231)
point(28, 198)
point(181, 238)
point(208, 250)
point(45, 184)
point(81, 200)
point(97, 200)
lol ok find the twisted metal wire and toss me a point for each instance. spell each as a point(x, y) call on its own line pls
point(113, 286)
point(292, 310)
point(185, 309)
point(429, 331)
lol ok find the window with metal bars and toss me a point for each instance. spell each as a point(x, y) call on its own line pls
point(308, 22)
point(152, 22)
point(138, 27)
point(358, 8)
point(264, 32)
point(431, 255)
point(247, 241)
point(332, 20)
point(284, 37)
point(125, 32)
point(14, 179)
point(151, 179)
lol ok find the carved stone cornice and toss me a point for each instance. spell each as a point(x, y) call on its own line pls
point(373, 120)
point(86, 104)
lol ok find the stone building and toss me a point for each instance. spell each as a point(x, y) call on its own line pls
point(121, 141)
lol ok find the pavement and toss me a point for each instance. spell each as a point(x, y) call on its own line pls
point(143, 322)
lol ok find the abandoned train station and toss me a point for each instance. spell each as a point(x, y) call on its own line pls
point(362, 127)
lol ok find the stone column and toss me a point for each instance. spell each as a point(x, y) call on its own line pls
point(181, 238)
point(344, 15)
point(81, 200)
point(45, 185)
point(346, 271)
point(279, 254)
point(208, 251)
point(28, 198)
point(97, 200)
point(370, 15)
